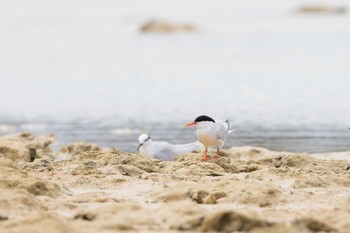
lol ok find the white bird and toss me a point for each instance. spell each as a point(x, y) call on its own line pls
point(211, 133)
point(164, 150)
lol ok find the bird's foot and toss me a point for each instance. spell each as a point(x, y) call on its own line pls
point(205, 158)
point(217, 157)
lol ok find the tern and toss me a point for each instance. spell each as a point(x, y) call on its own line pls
point(211, 133)
point(164, 150)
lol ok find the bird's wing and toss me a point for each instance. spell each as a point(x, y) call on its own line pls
point(187, 148)
point(167, 151)
point(226, 124)
point(221, 131)
point(164, 151)
point(225, 127)
point(231, 130)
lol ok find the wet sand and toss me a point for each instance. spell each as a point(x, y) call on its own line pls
point(84, 188)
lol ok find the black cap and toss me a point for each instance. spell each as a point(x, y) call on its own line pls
point(203, 118)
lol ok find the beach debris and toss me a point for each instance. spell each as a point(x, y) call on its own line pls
point(321, 9)
point(33, 155)
point(159, 26)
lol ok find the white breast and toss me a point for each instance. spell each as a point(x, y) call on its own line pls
point(208, 136)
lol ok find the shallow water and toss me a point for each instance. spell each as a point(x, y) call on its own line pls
point(123, 134)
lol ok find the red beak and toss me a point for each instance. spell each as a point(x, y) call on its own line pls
point(190, 124)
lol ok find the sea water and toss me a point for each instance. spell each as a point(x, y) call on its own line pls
point(84, 72)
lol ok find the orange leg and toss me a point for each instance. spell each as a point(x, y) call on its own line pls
point(217, 153)
point(205, 155)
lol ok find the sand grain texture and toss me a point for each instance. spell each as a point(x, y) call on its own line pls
point(247, 190)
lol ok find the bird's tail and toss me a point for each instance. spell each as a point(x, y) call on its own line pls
point(227, 125)
point(231, 130)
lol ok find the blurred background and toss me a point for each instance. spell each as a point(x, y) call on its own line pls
point(106, 71)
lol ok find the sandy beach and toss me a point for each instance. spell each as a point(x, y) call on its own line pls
point(104, 190)
point(98, 74)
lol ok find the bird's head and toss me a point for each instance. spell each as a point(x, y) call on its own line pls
point(143, 139)
point(201, 121)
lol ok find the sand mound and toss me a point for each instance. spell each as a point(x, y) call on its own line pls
point(40, 165)
point(228, 221)
point(66, 152)
point(191, 168)
point(40, 187)
point(39, 222)
point(125, 161)
point(222, 192)
point(25, 147)
point(12, 177)
point(79, 147)
point(247, 190)
point(195, 193)
point(16, 202)
point(250, 153)
point(132, 217)
point(20, 193)
point(313, 225)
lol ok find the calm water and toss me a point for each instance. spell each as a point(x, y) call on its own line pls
point(82, 71)
point(123, 135)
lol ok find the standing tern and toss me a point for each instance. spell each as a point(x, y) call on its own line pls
point(211, 133)
point(164, 150)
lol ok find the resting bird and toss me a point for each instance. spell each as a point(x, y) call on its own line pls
point(211, 133)
point(164, 150)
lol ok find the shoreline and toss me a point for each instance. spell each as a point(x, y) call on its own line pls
point(123, 134)
point(248, 190)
